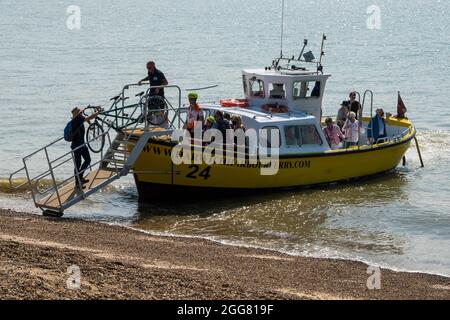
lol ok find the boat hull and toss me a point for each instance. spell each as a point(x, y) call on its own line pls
point(154, 170)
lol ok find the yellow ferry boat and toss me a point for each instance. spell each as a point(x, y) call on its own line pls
point(285, 98)
point(309, 163)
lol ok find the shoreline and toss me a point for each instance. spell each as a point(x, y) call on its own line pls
point(275, 251)
point(119, 262)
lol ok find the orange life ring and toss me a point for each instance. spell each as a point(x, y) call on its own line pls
point(242, 103)
point(274, 108)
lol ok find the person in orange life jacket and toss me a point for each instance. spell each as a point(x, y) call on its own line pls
point(194, 112)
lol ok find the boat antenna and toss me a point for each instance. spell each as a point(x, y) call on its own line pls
point(322, 53)
point(282, 27)
point(305, 43)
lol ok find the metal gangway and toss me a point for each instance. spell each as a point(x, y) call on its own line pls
point(115, 138)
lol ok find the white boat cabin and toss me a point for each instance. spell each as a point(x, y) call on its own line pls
point(299, 90)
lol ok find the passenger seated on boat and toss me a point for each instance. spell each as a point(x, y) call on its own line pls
point(376, 130)
point(291, 137)
point(355, 106)
point(342, 114)
point(278, 91)
point(221, 124)
point(227, 117)
point(209, 123)
point(236, 122)
point(351, 131)
point(333, 134)
point(194, 112)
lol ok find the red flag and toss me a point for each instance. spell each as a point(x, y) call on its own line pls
point(401, 108)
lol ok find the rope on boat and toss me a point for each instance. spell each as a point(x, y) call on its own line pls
point(203, 88)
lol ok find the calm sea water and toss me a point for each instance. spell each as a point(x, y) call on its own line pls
point(400, 220)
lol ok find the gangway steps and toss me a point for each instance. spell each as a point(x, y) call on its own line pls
point(132, 135)
point(70, 192)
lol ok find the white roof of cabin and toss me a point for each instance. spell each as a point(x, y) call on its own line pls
point(286, 73)
point(262, 117)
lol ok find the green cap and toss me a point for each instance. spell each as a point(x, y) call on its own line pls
point(211, 119)
point(193, 95)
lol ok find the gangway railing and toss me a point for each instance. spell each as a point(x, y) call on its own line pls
point(126, 120)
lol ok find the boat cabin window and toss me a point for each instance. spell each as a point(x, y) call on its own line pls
point(268, 143)
point(297, 136)
point(306, 89)
point(256, 88)
point(277, 91)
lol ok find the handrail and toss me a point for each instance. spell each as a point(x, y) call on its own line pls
point(371, 102)
point(11, 185)
point(131, 117)
point(128, 86)
point(371, 109)
point(48, 172)
point(41, 149)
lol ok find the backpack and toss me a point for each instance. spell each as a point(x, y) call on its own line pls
point(68, 132)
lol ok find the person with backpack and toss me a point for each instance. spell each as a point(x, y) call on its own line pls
point(75, 130)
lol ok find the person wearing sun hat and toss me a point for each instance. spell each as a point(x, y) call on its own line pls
point(80, 150)
point(351, 129)
point(343, 113)
point(194, 112)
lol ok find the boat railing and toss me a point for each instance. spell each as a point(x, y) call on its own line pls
point(176, 120)
point(361, 111)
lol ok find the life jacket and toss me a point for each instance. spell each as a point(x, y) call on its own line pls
point(194, 114)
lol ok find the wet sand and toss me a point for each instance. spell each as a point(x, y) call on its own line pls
point(119, 263)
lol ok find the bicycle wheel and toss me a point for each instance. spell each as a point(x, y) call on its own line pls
point(157, 110)
point(95, 137)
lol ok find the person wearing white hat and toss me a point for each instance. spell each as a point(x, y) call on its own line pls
point(351, 131)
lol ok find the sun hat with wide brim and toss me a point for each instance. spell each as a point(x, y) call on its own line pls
point(75, 114)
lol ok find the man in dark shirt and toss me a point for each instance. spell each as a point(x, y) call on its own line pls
point(156, 78)
point(78, 144)
point(355, 106)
